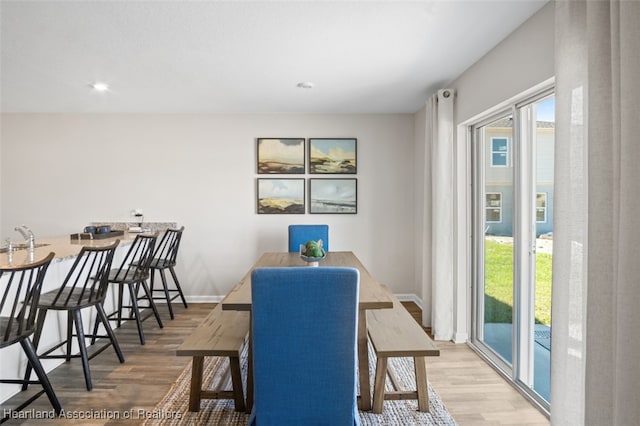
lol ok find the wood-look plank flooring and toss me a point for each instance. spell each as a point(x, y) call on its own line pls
point(472, 391)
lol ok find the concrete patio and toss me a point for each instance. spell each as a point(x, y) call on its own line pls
point(499, 337)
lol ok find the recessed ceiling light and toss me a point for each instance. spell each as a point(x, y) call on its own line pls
point(100, 87)
point(305, 85)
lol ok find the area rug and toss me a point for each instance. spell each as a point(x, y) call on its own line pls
point(173, 409)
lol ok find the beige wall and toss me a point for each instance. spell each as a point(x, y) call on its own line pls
point(521, 61)
point(61, 171)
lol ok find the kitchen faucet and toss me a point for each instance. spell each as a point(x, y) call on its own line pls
point(27, 235)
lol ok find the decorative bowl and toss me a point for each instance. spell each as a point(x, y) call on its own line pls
point(312, 260)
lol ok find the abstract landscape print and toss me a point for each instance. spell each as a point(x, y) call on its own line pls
point(281, 196)
point(333, 196)
point(332, 156)
point(280, 156)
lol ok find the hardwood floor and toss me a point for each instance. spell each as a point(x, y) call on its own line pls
point(472, 391)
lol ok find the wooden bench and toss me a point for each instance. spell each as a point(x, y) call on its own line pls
point(222, 333)
point(395, 333)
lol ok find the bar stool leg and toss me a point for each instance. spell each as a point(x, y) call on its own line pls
point(34, 361)
point(82, 344)
point(175, 280)
point(95, 331)
point(136, 311)
point(166, 290)
point(102, 315)
point(42, 313)
point(152, 305)
point(118, 314)
point(120, 297)
point(69, 336)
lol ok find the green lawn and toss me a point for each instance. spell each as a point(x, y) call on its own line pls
point(499, 284)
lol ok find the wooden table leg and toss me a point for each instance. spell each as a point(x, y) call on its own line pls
point(363, 362)
point(422, 387)
point(196, 383)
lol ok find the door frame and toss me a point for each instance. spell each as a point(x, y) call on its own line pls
point(519, 373)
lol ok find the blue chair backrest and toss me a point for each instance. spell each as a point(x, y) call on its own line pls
point(300, 234)
point(304, 345)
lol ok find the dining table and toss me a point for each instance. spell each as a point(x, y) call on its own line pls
point(372, 296)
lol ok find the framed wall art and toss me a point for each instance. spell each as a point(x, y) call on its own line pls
point(280, 196)
point(280, 156)
point(333, 196)
point(332, 156)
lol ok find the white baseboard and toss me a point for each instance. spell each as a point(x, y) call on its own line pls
point(409, 297)
point(460, 337)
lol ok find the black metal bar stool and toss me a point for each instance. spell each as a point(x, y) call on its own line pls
point(133, 273)
point(164, 258)
point(85, 286)
point(21, 286)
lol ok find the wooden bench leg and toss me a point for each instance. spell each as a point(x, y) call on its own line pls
point(378, 386)
point(196, 383)
point(250, 367)
point(421, 393)
point(420, 363)
point(236, 383)
point(363, 361)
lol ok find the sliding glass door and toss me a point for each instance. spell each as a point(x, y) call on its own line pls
point(513, 241)
point(543, 145)
point(495, 288)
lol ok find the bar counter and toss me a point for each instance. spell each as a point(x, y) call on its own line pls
point(66, 251)
point(63, 247)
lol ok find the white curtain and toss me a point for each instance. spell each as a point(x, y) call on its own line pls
point(440, 176)
point(595, 378)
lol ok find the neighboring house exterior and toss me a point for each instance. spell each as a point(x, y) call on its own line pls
point(499, 177)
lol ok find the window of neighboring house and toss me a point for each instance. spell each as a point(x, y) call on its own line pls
point(494, 207)
point(499, 152)
point(541, 207)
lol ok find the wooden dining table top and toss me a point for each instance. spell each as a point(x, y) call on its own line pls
point(372, 294)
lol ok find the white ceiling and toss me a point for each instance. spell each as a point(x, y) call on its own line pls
point(243, 56)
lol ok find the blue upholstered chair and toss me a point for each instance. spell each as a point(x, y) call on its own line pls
point(304, 330)
point(300, 234)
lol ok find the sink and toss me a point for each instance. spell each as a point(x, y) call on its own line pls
point(22, 246)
